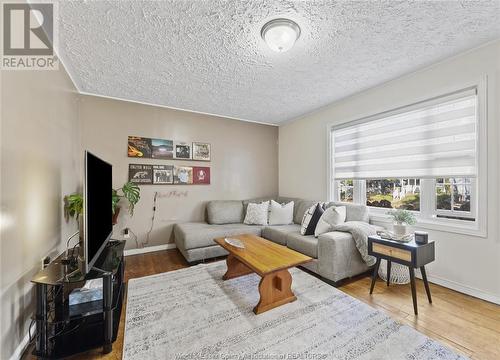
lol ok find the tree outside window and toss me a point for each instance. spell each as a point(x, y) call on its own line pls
point(393, 193)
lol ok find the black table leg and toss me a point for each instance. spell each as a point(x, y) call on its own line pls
point(413, 289)
point(375, 274)
point(388, 271)
point(426, 284)
point(41, 346)
point(107, 286)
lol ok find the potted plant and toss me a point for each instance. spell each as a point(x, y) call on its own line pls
point(73, 207)
point(73, 204)
point(129, 191)
point(401, 218)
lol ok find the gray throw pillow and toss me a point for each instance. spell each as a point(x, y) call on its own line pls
point(257, 214)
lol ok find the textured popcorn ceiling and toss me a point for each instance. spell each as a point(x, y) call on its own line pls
point(208, 56)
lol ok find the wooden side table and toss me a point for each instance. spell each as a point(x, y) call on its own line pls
point(409, 254)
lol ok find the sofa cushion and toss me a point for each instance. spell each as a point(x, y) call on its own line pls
point(300, 207)
point(338, 256)
point(196, 235)
point(280, 214)
point(225, 212)
point(307, 245)
point(354, 212)
point(278, 233)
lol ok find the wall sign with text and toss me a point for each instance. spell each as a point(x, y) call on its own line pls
point(143, 174)
point(167, 149)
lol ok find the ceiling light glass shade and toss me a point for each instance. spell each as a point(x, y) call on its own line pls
point(280, 34)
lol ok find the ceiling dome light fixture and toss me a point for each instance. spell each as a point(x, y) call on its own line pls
point(280, 34)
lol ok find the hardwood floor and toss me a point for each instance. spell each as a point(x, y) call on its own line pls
point(469, 325)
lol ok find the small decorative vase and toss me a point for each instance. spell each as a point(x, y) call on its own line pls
point(399, 230)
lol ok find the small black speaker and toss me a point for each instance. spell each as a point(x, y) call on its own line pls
point(421, 237)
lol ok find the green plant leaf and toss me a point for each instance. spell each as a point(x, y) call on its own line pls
point(73, 205)
point(403, 216)
point(131, 192)
point(115, 199)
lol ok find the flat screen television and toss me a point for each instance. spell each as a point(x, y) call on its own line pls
point(97, 209)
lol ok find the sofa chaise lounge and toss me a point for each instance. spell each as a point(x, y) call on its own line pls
point(335, 254)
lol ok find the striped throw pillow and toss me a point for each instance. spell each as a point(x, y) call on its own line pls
point(310, 219)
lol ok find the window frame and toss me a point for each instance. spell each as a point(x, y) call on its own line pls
point(465, 214)
point(427, 216)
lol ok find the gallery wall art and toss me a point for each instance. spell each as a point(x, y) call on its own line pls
point(163, 174)
point(140, 174)
point(201, 151)
point(143, 174)
point(183, 175)
point(162, 149)
point(148, 148)
point(182, 150)
point(139, 147)
point(201, 175)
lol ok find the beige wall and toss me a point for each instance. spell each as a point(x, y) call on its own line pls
point(40, 162)
point(45, 125)
point(466, 263)
point(244, 160)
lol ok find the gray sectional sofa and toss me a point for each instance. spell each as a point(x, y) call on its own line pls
point(335, 254)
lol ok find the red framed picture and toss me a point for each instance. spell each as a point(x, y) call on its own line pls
point(201, 175)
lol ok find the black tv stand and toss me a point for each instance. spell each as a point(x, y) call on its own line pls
point(63, 329)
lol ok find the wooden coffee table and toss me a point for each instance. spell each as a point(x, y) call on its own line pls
point(270, 261)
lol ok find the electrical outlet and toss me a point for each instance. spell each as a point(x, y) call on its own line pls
point(126, 233)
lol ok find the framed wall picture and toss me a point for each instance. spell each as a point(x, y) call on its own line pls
point(201, 151)
point(182, 150)
point(139, 147)
point(140, 174)
point(201, 175)
point(162, 149)
point(183, 175)
point(163, 174)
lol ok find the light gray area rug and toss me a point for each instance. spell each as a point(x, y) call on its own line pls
point(193, 314)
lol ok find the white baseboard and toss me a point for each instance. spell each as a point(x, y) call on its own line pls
point(148, 249)
point(21, 348)
point(464, 289)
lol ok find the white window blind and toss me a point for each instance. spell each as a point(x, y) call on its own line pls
point(436, 138)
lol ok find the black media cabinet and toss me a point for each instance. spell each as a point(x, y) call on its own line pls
point(62, 329)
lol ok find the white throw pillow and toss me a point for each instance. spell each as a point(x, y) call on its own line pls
point(332, 216)
point(257, 213)
point(280, 214)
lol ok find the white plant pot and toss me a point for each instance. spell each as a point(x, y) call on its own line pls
point(399, 230)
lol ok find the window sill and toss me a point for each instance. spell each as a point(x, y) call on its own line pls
point(446, 225)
